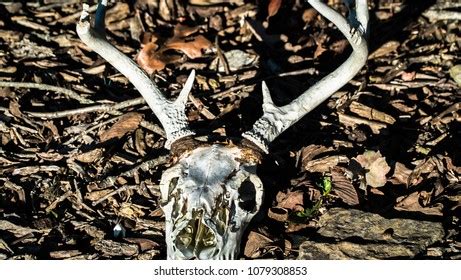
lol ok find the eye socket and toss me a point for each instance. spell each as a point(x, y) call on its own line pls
point(247, 194)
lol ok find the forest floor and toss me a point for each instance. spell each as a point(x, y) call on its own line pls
point(81, 154)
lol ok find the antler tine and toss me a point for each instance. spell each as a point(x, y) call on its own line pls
point(171, 114)
point(275, 119)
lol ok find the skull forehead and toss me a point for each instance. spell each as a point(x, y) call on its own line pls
point(211, 165)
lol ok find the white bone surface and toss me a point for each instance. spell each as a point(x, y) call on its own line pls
point(209, 180)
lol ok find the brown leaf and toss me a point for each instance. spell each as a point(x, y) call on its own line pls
point(273, 8)
point(130, 210)
point(256, 244)
point(343, 187)
point(97, 195)
point(193, 48)
point(150, 60)
point(401, 174)
point(14, 109)
point(17, 231)
point(278, 213)
point(143, 243)
point(90, 156)
point(425, 166)
point(375, 167)
point(324, 164)
point(309, 15)
point(21, 195)
point(412, 203)
point(153, 58)
point(408, 76)
point(385, 49)
point(127, 123)
point(292, 200)
point(310, 152)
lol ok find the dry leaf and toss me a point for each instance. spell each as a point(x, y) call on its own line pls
point(278, 213)
point(143, 243)
point(153, 58)
point(273, 8)
point(310, 152)
point(401, 174)
point(309, 15)
point(90, 156)
point(127, 123)
point(150, 60)
point(343, 187)
point(130, 211)
point(385, 49)
point(375, 167)
point(412, 203)
point(14, 109)
point(408, 76)
point(193, 47)
point(324, 164)
point(293, 200)
point(256, 244)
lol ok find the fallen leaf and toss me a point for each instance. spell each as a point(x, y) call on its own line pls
point(401, 174)
point(273, 8)
point(256, 244)
point(278, 213)
point(375, 168)
point(291, 200)
point(343, 187)
point(150, 60)
point(143, 243)
point(192, 47)
point(17, 231)
point(324, 164)
point(127, 123)
point(412, 203)
point(309, 15)
point(153, 58)
point(14, 109)
point(408, 76)
point(455, 73)
point(385, 49)
point(130, 210)
point(310, 152)
point(90, 156)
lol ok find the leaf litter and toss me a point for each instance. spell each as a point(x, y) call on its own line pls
point(387, 142)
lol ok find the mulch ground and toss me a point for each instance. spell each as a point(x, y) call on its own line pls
point(81, 154)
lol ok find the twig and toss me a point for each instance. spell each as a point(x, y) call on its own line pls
point(86, 131)
point(90, 109)
point(69, 93)
point(221, 57)
point(117, 191)
point(435, 15)
point(147, 165)
point(310, 71)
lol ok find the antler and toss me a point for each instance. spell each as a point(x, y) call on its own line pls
point(171, 114)
point(276, 120)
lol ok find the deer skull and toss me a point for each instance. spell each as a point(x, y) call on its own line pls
point(209, 196)
point(211, 192)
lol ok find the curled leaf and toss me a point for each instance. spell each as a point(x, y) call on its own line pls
point(375, 168)
point(124, 125)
